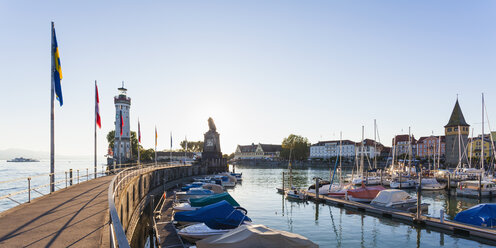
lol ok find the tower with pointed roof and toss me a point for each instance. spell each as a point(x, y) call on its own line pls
point(457, 131)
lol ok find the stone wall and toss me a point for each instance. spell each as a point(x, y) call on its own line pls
point(132, 197)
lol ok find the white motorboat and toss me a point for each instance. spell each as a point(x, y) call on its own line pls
point(193, 193)
point(431, 184)
point(295, 194)
point(371, 180)
point(471, 189)
point(217, 189)
point(184, 206)
point(394, 198)
point(195, 232)
point(405, 183)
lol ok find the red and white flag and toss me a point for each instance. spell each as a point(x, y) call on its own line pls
point(139, 132)
point(97, 108)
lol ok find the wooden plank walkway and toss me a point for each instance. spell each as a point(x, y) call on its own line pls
point(71, 217)
point(166, 231)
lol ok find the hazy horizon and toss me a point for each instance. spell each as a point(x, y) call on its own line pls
point(261, 69)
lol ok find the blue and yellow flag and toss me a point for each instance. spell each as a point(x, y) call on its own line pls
point(57, 69)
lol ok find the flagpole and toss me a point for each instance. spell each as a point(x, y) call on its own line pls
point(52, 117)
point(155, 145)
point(95, 125)
point(139, 141)
point(170, 152)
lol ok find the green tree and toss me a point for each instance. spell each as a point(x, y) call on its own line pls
point(147, 154)
point(134, 142)
point(193, 146)
point(299, 145)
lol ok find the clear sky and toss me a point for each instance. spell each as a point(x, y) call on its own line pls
point(260, 69)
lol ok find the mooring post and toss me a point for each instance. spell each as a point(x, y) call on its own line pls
point(449, 184)
point(480, 186)
point(283, 182)
point(70, 177)
point(400, 180)
point(87, 174)
point(234, 168)
point(317, 189)
point(381, 178)
point(367, 178)
point(29, 189)
point(66, 179)
point(78, 176)
point(419, 196)
point(441, 215)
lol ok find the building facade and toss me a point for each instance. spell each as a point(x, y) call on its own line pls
point(475, 147)
point(328, 149)
point(403, 143)
point(430, 146)
point(258, 151)
point(456, 131)
point(371, 149)
point(122, 143)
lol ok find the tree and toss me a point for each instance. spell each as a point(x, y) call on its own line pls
point(134, 142)
point(298, 145)
point(193, 146)
point(147, 154)
point(228, 156)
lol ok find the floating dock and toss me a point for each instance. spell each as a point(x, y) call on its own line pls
point(166, 233)
point(451, 227)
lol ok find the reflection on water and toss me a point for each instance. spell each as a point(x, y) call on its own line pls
point(335, 227)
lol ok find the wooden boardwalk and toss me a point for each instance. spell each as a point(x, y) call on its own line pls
point(165, 228)
point(71, 217)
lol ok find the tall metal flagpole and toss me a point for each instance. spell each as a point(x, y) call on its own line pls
point(139, 141)
point(170, 153)
point(95, 125)
point(155, 145)
point(52, 117)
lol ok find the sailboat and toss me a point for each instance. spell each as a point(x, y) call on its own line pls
point(338, 190)
point(293, 193)
point(364, 193)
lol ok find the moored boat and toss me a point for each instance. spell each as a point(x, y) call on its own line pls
point(431, 184)
point(364, 194)
point(471, 189)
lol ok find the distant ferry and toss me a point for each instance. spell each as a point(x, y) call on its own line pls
point(21, 159)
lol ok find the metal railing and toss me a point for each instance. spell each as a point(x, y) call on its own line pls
point(119, 182)
point(59, 184)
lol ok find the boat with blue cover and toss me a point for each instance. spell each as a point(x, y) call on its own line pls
point(197, 203)
point(220, 215)
point(480, 215)
point(193, 193)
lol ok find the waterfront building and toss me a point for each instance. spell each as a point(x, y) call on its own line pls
point(122, 143)
point(328, 149)
point(456, 130)
point(428, 146)
point(369, 149)
point(259, 151)
point(474, 147)
point(177, 156)
point(401, 145)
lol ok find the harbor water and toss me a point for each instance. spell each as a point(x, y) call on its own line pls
point(331, 226)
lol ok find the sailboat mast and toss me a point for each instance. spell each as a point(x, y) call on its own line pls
point(438, 152)
point(459, 148)
point(375, 144)
point(361, 155)
point(471, 149)
point(409, 149)
point(340, 149)
point(482, 139)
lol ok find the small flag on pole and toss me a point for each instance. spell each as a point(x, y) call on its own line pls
point(155, 136)
point(139, 132)
point(171, 140)
point(121, 123)
point(97, 107)
point(57, 69)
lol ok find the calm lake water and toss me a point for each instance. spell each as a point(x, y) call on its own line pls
point(335, 227)
point(38, 171)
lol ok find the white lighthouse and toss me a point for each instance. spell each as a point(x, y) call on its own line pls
point(122, 143)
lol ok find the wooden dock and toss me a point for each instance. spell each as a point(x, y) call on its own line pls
point(166, 233)
point(451, 227)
